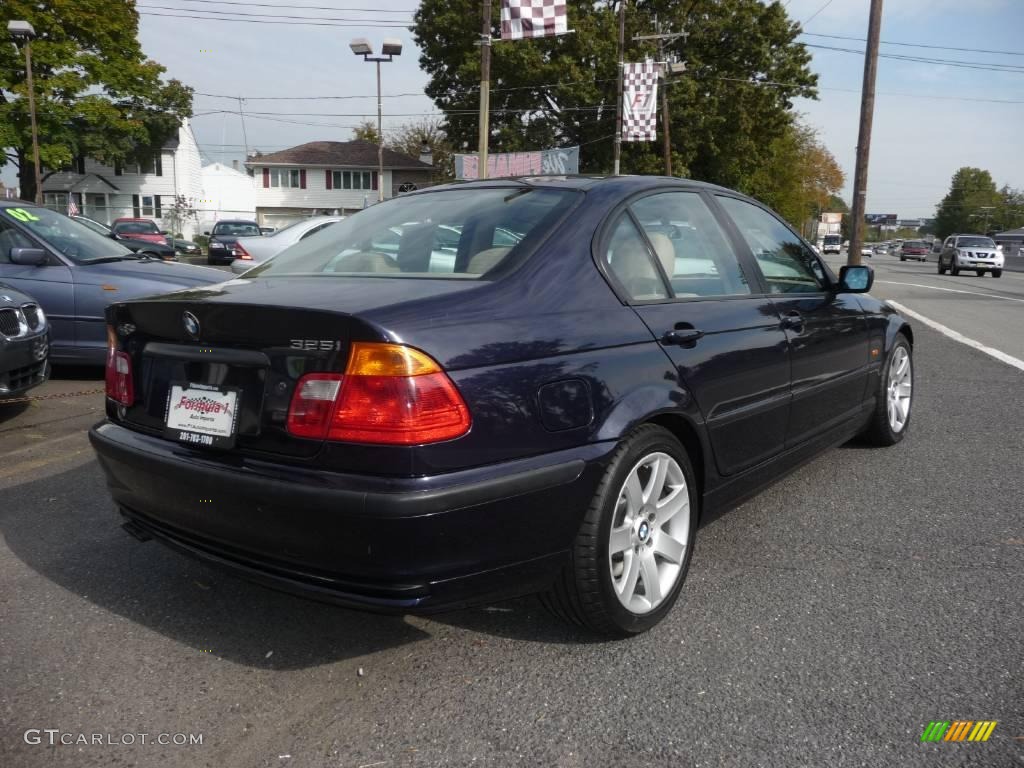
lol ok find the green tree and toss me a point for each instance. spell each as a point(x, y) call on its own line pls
point(562, 91)
point(970, 203)
point(96, 93)
point(409, 139)
point(366, 131)
point(1009, 213)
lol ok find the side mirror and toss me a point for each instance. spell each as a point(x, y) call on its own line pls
point(164, 232)
point(29, 257)
point(207, 233)
point(857, 279)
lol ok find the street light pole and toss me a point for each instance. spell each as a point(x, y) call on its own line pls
point(24, 30)
point(380, 141)
point(390, 48)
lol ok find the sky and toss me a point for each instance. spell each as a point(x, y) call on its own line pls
point(930, 119)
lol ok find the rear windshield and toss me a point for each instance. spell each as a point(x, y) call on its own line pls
point(136, 228)
point(237, 229)
point(455, 233)
point(975, 242)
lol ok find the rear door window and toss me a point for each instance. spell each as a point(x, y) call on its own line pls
point(692, 248)
point(632, 264)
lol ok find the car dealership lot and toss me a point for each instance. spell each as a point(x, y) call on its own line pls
point(827, 621)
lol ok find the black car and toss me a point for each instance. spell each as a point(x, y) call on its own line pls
point(221, 249)
point(24, 343)
point(415, 428)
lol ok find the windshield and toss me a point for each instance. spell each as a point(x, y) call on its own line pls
point(975, 242)
point(455, 233)
point(95, 226)
point(831, 239)
point(76, 241)
point(136, 228)
point(237, 229)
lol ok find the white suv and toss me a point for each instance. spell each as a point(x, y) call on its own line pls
point(975, 252)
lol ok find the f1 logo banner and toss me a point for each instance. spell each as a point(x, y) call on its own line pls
point(639, 101)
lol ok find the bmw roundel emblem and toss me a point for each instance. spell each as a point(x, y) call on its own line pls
point(191, 323)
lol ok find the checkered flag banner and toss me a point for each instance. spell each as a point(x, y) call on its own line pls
point(533, 18)
point(639, 101)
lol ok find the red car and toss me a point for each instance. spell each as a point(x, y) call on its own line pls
point(914, 249)
point(139, 229)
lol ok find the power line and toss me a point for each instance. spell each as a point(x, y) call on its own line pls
point(298, 7)
point(987, 66)
point(916, 45)
point(278, 22)
point(811, 17)
point(773, 83)
point(277, 15)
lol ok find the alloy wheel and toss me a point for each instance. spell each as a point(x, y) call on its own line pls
point(649, 533)
point(900, 389)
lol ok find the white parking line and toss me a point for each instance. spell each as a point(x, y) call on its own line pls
point(956, 336)
point(950, 290)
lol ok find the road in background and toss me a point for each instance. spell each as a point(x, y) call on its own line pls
point(986, 309)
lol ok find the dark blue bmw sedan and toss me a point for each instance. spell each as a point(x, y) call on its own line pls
point(456, 418)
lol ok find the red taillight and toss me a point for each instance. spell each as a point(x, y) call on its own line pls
point(389, 395)
point(313, 405)
point(241, 253)
point(120, 387)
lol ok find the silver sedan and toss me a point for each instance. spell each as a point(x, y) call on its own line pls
point(256, 250)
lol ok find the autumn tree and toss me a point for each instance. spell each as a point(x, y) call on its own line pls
point(366, 131)
point(744, 68)
point(96, 93)
point(410, 137)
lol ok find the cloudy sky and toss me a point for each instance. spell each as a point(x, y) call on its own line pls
point(931, 118)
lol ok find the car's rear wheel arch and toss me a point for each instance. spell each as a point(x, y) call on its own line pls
point(686, 434)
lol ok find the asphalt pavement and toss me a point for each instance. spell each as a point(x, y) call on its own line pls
point(825, 622)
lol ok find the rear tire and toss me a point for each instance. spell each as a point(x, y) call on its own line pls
point(997, 273)
point(942, 269)
point(903, 258)
point(599, 588)
point(889, 426)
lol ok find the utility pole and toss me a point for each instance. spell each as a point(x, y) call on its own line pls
point(867, 110)
point(667, 69)
point(485, 92)
point(618, 99)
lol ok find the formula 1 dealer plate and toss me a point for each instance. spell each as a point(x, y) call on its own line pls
point(202, 415)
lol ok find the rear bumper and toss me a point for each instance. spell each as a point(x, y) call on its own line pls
point(388, 544)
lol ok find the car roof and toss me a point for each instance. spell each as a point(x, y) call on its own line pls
point(580, 182)
point(235, 221)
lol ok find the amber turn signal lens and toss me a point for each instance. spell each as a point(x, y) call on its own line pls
point(369, 359)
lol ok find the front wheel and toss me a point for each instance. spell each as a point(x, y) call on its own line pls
point(633, 549)
point(903, 258)
point(891, 416)
point(981, 272)
point(954, 269)
point(997, 273)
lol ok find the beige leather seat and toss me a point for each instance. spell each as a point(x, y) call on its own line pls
point(665, 250)
point(367, 261)
point(632, 265)
point(486, 260)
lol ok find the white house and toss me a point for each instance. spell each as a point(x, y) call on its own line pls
point(328, 176)
point(143, 189)
point(228, 193)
